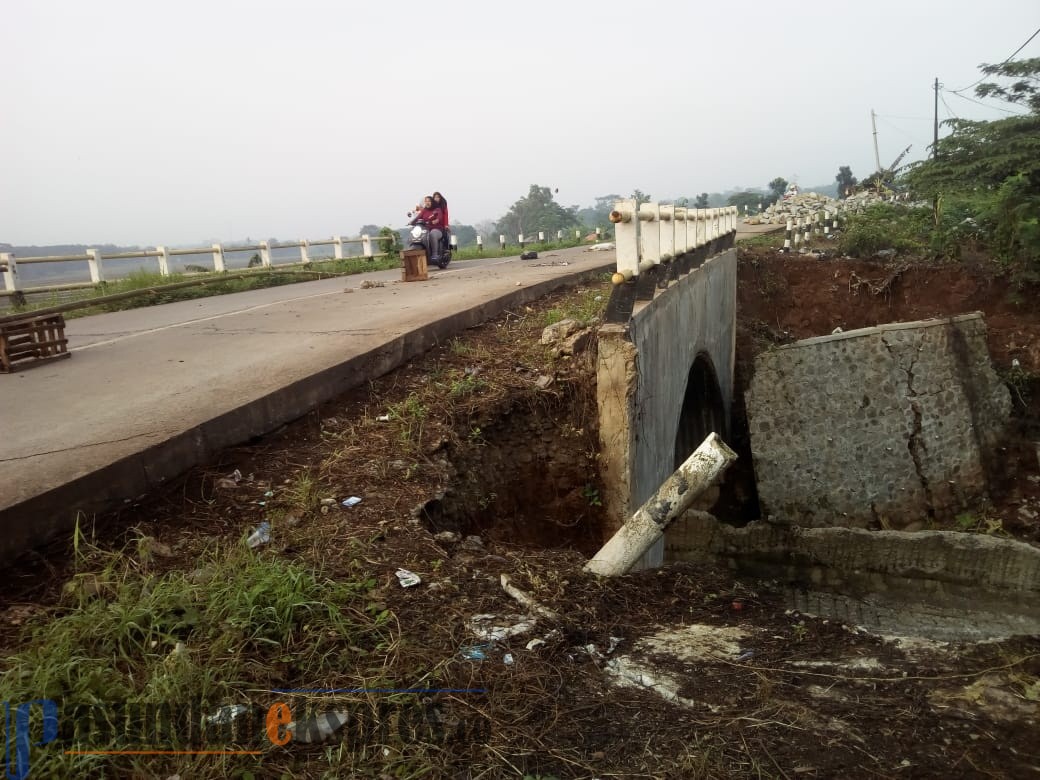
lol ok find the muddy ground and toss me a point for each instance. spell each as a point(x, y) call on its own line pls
point(772, 694)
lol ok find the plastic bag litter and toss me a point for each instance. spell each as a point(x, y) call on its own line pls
point(407, 578)
point(261, 535)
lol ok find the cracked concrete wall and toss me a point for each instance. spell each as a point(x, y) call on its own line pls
point(942, 584)
point(885, 426)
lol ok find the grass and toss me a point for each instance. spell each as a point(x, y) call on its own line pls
point(241, 623)
point(586, 308)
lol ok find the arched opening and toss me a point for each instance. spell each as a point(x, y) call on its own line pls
point(703, 410)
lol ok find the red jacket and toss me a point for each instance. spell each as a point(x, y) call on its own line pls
point(432, 217)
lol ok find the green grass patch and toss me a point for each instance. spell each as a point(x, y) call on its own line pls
point(243, 622)
point(586, 307)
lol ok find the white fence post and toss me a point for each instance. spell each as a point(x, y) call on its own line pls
point(650, 233)
point(541, 236)
point(366, 246)
point(337, 247)
point(265, 254)
point(520, 238)
point(666, 235)
point(480, 244)
point(305, 258)
point(626, 239)
point(577, 235)
point(453, 240)
point(681, 216)
point(218, 259)
point(10, 272)
point(97, 272)
point(501, 241)
point(164, 260)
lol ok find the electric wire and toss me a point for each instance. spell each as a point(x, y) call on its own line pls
point(1005, 62)
point(987, 105)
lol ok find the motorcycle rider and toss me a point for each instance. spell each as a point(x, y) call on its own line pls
point(433, 218)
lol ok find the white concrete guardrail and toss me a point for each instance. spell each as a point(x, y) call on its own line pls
point(647, 234)
point(95, 260)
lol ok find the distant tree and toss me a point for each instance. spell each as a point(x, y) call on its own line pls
point(596, 215)
point(486, 229)
point(747, 198)
point(846, 181)
point(464, 234)
point(537, 211)
point(369, 230)
point(701, 202)
point(777, 187)
point(639, 197)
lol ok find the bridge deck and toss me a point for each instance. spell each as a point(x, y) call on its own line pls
point(149, 392)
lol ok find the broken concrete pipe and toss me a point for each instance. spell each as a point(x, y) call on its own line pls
point(674, 497)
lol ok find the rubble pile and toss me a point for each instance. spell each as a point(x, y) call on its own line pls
point(806, 204)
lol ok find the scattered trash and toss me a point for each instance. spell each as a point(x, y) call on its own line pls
point(535, 643)
point(269, 494)
point(482, 626)
point(235, 475)
point(473, 543)
point(507, 659)
point(472, 370)
point(226, 714)
point(837, 330)
point(148, 546)
point(529, 256)
point(736, 605)
point(291, 520)
point(328, 502)
point(231, 480)
point(348, 289)
point(474, 652)
point(368, 284)
point(614, 642)
point(352, 501)
point(261, 535)
point(745, 656)
point(598, 298)
point(603, 247)
point(383, 418)
point(543, 382)
point(319, 728)
point(447, 536)
point(407, 578)
point(1015, 363)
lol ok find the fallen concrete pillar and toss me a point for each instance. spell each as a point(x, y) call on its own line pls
point(674, 497)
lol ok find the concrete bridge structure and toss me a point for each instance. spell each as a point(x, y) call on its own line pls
point(151, 392)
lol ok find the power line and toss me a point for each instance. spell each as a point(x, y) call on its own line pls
point(917, 118)
point(949, 110)
point(1005, 62)
point(987, 105)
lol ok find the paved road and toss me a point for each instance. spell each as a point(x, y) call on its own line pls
point(143, 377)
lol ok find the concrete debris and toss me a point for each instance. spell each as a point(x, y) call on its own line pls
point(368, 284)
point(558, 331)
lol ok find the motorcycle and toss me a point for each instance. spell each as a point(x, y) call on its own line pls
point(419, 238)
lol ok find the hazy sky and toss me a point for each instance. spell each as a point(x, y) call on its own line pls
point(148, 123)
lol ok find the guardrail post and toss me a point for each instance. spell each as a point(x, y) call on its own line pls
point(501, 242)
point(164, 260)
point(97, 272)
point(559, 236)
point(305, 258)
point(337, 247)
point(265, 254)
point(650, 233)
point(480, 245)
point(11, 281)
point(520, 238)
point(218, 259)
point(541, 236)
point(666, 235)
point(577, 235)
point(366, 246)
point(679, 217)
point(626, 239)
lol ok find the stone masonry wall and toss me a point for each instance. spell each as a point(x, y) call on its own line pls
point(879, 427)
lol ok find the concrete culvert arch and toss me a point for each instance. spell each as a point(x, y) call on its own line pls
point(703, 410)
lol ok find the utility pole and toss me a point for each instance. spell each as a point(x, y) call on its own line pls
point(935, 144)
point(877, 157)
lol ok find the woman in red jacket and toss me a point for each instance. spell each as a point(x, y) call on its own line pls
point(440, 202)
point(433, 218)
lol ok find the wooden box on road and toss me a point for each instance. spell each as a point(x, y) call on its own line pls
point(414, 265)
point(31, 340)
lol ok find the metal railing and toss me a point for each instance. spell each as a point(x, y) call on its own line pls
point(9, 264)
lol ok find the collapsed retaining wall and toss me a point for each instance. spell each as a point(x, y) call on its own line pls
point(878, 427)
point(940, 584)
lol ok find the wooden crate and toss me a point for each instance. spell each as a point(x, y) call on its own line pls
point(31, 340)
point(414, 265)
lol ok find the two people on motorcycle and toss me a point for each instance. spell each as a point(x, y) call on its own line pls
point(433, 215)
